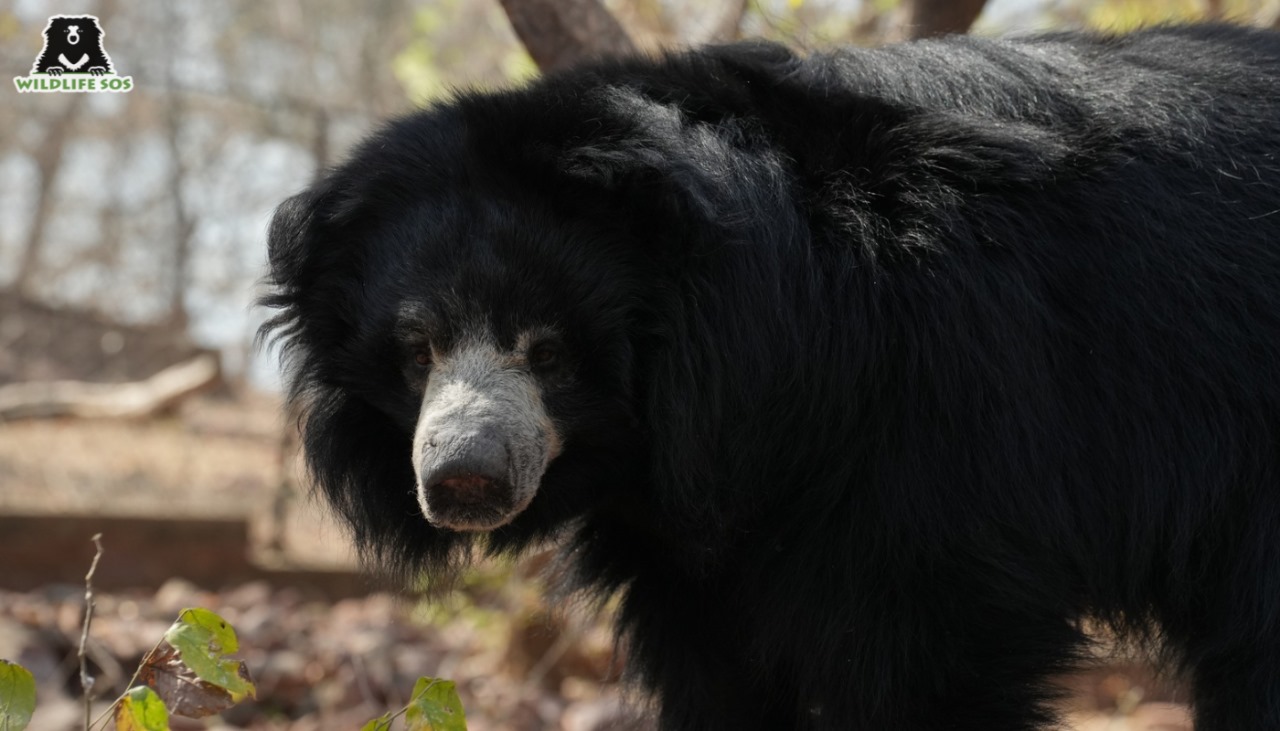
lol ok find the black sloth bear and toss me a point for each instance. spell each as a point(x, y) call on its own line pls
point(73, 45)
point(865, 379)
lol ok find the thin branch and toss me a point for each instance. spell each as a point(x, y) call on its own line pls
point(568, 636)
point(86, 680)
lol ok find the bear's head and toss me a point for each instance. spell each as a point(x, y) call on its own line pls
point(479, 309)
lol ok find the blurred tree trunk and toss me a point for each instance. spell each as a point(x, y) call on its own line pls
point(184, 222)
point(729, 27)
point(48, 158)
point(561, 33)
point(928, 18)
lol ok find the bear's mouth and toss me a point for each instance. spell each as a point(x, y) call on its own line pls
point(468, 502)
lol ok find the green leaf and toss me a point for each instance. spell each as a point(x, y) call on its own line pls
point(218, 631)
point(17, 696)
point(435, 706)
point(202, 639)
point(141, 710)
point(381, 723)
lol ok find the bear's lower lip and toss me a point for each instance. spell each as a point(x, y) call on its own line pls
point(468, 520)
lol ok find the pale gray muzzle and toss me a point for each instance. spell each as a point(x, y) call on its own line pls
point(483, 438)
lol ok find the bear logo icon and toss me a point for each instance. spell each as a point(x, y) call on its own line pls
point(73, 45)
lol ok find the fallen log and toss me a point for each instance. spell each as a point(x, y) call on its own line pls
point(36, 399)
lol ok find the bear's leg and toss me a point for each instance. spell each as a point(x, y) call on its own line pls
point(979, 669)
point(683, 644)
point(699, 691)
point(928, 655)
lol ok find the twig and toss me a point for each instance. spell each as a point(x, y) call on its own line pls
point(86, 680)
point(568, 636)
point(412, 698)
point(146, 660)
point(362, 681)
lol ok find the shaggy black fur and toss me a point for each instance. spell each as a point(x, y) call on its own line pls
point(63, 56)
point(890, 365)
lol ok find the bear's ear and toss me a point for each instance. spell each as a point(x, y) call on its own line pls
point(654, 161)
point(310, 260)
point(294, 239)
point(311, 233)
point(627, 159)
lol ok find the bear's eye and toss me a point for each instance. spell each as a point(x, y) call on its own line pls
point(422, 357)
point(544, 356)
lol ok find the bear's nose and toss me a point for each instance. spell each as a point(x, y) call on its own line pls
point(465, 489)
point(461, 462)
point(474, 470)
point(73, 35)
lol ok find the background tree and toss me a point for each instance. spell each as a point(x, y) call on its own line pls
point(927, 18)
point(561, 33)
point(150, 206)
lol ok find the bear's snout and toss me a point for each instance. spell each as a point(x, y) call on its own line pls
point(463, 480)
point(482, 441)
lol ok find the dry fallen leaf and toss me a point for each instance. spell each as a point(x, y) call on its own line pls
point(181, 689)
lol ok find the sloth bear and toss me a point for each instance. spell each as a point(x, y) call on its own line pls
point(73, 45)
point(866, 380)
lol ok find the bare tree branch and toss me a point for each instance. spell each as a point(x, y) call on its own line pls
point(561, 33)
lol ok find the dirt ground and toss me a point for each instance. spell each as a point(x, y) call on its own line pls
point(325, 664)
point(321, 662)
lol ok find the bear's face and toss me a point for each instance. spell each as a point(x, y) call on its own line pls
point(502, 370)
point(482, 316)
point(494, 338)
